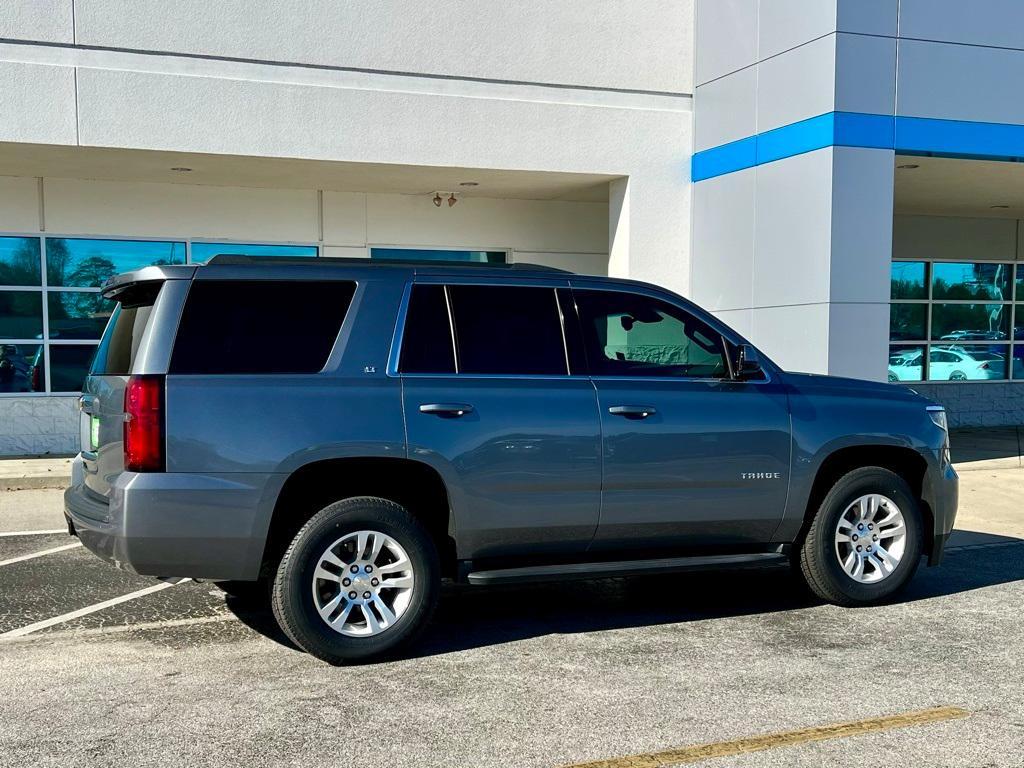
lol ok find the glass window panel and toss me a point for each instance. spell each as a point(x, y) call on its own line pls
point(629, 334)
point(21, 368)
point(967, 362)
point(21, 315)
point(261, 326)
point(906, 362)
point(507, 330)
point(427, 337)
point(77, 314)
point(203, 252)
point(908, 322)
point(19, 261)
point(908, 280)
point(1018, 328)
point(426, 254)
point(88, 263)
point(1018, 361)
point(123, 335)
point(984, 280)
point(69, 363)
point(970, 322)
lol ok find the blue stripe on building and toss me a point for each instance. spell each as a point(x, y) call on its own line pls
point(910, 135)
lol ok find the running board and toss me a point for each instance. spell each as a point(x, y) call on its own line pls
point(624, 568)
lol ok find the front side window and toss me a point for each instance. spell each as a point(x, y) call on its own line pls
point(628, 334)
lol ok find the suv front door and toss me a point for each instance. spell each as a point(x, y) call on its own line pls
point(490, 404)
point(692, 458)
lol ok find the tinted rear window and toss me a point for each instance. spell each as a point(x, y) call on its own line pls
point(120, 343)
point(230, 326)
point(507, 330)
point(427, 339)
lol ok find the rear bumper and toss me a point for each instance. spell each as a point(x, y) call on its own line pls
point(177, 525)
point(941, 492)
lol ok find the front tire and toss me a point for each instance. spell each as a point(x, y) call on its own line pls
point(358, 582)
point(865, 540)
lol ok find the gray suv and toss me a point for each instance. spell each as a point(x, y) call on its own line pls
point(343, 435)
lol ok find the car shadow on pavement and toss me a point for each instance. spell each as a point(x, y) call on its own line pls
point(474, 617)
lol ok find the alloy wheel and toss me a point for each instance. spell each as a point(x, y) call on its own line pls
point(870, 538)
point(363, 584)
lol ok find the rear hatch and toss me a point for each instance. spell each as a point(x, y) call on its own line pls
point(134, 342)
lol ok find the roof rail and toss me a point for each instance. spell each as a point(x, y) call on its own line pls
point(240, 259)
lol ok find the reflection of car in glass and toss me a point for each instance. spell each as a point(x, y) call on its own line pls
point(959, 365)
point(975, 336)
point(15, 372)
point(905, 366)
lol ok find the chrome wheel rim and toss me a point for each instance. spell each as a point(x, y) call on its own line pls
point(870, 538)
point(363, 584)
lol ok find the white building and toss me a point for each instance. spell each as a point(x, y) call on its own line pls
point(745, 153)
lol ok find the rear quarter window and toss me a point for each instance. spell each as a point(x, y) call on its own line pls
point(123, 335)
point(237, 327)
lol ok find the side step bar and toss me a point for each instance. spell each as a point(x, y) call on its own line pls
point(624, 568)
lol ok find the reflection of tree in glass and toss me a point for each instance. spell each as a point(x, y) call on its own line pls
point(977, 281)
point(92, 271)
point(23, 266)
point(57, 258)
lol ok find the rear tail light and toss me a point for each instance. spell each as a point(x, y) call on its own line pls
point(144, 424)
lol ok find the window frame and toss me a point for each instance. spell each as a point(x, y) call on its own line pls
point(44, 289)
point(930, 302)
point(398, 338)
point(728, 342)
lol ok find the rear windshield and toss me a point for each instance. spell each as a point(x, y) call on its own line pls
point(234, 326)
point(121, 339)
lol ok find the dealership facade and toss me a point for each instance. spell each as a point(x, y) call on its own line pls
point(839, 180)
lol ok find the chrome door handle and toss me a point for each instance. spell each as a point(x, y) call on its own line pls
point(632, 411)
point(446, 409)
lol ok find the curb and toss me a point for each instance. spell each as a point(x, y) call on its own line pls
point(34, 482)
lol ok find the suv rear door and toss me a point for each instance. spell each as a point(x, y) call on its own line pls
point(692, 458)
point(491, 402)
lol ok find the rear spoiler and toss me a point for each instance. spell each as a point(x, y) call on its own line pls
point(118, 284)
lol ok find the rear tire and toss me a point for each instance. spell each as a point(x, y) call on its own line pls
point(865, 540)
point(369, 548)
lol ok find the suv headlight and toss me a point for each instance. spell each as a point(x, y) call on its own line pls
point(938, 415)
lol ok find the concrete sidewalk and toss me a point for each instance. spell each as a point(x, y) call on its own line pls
point(983, 448)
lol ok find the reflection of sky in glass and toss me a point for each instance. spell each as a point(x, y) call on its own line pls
point(88, 263)
point(425, 254)
point(203, 252)
point(970, 280)
point(907, 280)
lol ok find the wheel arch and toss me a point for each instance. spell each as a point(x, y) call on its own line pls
point(309, 488)
point(903, 461)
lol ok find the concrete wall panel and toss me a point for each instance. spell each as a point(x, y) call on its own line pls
point(948, 237)
point(37, 104)
point(726, 37)
point(787, 24)
point(726, 109)
point(613, 44)
point(49, 21)
point(798, 85)
point(723, 235)
point(19, 204)
point(868, 17)
point(865, 78)
point(997, 23)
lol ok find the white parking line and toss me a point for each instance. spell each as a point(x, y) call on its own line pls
point(32, 533)
point(30, 628)
point(14, 560)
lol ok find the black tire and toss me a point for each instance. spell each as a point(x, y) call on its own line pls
point(255, 592)
point(292, 598)
point(818, 560)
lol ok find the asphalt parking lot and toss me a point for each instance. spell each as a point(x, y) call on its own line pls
point(100, 667)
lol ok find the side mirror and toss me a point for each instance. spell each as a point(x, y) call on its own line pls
point(747, 364)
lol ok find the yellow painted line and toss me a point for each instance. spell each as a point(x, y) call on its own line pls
point(701, 752)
